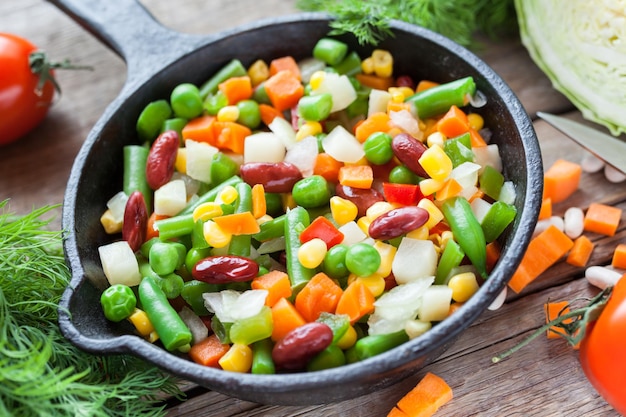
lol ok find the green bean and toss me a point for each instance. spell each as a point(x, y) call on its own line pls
point(166, 257)
point(296, 221)
point(135, 158)
point(331, 357)
point(271, 229)
point(350, 65)
point(176, 124)
point(370, 346)
point(316, 107)
point(233, 69)
point(262, 362)
point(222, 168)
point(172, 331)
point(329, 50)
point(175, 226)
point(240, 244)
point(192, 294)
point(151, 119)
point(451, 257)
point(439, 99)
point(171, 284)
point(209, 195)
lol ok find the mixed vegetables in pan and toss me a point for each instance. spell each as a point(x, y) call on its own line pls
point(292, 216)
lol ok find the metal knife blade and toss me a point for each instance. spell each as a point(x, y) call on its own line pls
point(604, 146)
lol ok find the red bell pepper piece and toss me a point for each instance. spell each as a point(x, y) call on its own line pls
point(405, 194)
point(324, 229)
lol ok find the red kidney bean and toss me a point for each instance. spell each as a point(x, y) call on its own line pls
point(299, 346)
point(405, 81)
point(397, 222)
point(408, 150)
point(135, 221)
point(224, 269)
point(363, 198)
point(161, 159)
point(275, 177)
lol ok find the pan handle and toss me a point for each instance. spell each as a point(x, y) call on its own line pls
point(132, 32)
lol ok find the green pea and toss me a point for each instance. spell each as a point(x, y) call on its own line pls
point(186, 102)
point(311, 192)
point(215, 102)
point(378, 149)
point(118, 302)
point(334, 264)
point(151, 119)
point(194, 255)
point(403, 175)
point(165, 258)
point(249, 113)
point(362, 259)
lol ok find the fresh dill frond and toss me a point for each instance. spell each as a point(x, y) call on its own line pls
point(42, 373)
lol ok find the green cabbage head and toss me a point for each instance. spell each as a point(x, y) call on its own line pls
point(581, 46)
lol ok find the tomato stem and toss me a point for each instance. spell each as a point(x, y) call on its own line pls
point(574, 331)
point(42, 67)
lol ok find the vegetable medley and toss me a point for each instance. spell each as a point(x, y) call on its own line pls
point(292, 216)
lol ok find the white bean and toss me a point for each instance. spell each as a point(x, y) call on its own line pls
point(601, 276)
point(613, 175)
point(499, 300)
point(591, 163)
point(545, 223)
point(573, 222)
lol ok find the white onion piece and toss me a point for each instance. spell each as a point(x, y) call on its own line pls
point(340, 88)
point(507, 192)
point(414, 259)
point(308, 67)
point(199, 159)
point(352, 233)
point(119, 263)
point(285, 132)
point(263, 147)
point(488, 155)
point(466, 174)
point(303, 155)
point(117, 205)
point(343, 146)
point(435, 303)
point(480, 207)
point(405, 121)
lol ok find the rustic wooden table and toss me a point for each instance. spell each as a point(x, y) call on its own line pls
point(544, 379)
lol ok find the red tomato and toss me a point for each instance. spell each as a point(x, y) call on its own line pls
point(603, 350)
point(21, 107)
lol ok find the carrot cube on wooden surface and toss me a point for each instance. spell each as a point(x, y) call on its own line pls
point(425, 399)
point(581, 251)
point(602, 219)
point(619, 256)
point(561, 180)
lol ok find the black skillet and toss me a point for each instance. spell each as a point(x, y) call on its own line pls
point(157, 60)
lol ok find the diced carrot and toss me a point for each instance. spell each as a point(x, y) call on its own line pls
point(238, 223)
point(286, 63)
point(493, 254)
point(284, 90)
point(230, 135)
point(602, 219)
point(209, 351)
point(581, 251)
point(425, 85)
point(476, 139)
point(200, 129)
point(454, 307)
point(396, 412)
point(276, 283)
point(259, 205)
point(561, 180)
point(451, 187)
point(152, 231)
point(426, 397)
point(546, 209)
point(285, 318)
point(374, 81)
point(269, 113)
point(543, 251)
point(356, 301)
point(320, 294)
point(554, 310)
point(357, 176)
point(237, 89)
point(376, 122)
point(619, 256)
point(453, 123)
point(327, 166)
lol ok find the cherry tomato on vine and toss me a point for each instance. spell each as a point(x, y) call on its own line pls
point(603, 350)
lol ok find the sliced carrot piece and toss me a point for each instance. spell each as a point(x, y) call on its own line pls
point(277, 285)
point(546, 209)
point(230, 135)
point(327, 166)
point(320, 294)
point(376, 122)
point(373, 81)
point(238, 223)
point(426, 397)
point(200, 129)
point(396, 412)
point(269, 113)
point(619, 256)
point(209, 351)
point(284, 90)
point(259, 204)
point(543, 251)
point(453, 123)
point(451, 187)
point(357, 176)
point(476, 139)
point(425, 85)
point(554, 310)
point(286, 63)
point(356, 301)
point(285, 318)
point(237, 89)
point(561, 180)
point(581, 251)
point(152, 231)
point(602, 219)
point(493, 254)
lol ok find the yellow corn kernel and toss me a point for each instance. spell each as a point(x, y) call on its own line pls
point(463, 286)
point(421, 233)
point(228, 114)
point(227, 195)
point(446, 235)
point(375, 283)
point(181, 161)
point(312, 253)
point(142, 323)
point(429, 186)
point(383, 63)
point(258, 72)
point(153, 337)
point(367, 65)
point(476, 121)
point(434, 214)
point(214, 235)
point(307, 129)
point(378, 208)
point(207, 211)
point(316, 79)
point(435, 139)
point(342, 210)
point(436, 163)
point(364, 224)
point(288, 201)
point(387, 253)
point(348, 339)
point(237, 359)
point(402, 92)
point(111, 226)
